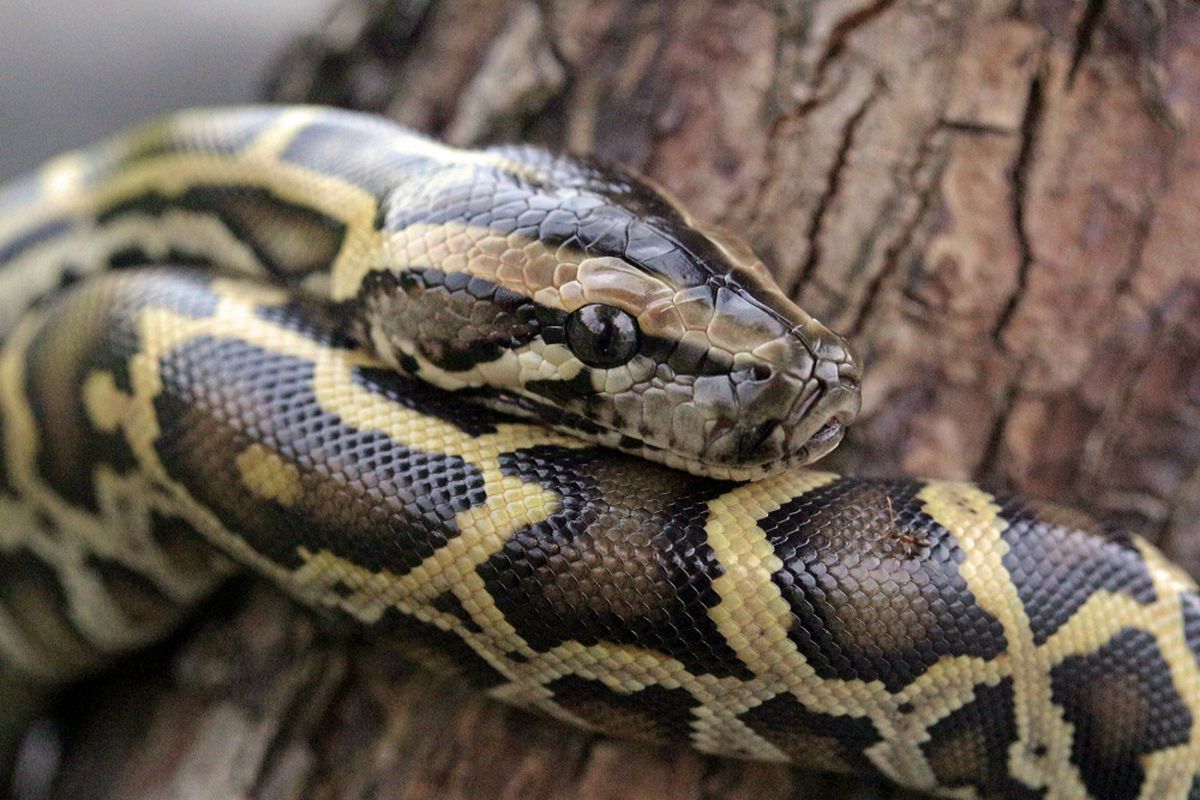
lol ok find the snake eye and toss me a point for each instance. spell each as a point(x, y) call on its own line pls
point(602, 336)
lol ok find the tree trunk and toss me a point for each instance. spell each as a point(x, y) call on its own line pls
point(995, 200)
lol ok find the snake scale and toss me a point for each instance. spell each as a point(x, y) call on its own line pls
point(396, 379)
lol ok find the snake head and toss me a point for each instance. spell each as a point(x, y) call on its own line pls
point(588, 299)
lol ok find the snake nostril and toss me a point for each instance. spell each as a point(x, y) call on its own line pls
point(751, 373)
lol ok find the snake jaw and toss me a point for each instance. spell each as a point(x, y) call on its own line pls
point(830, 431)
point(815, 377)
point(820, 444)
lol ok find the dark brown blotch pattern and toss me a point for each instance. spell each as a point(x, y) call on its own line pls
point(624, 560)
point(291, 241)
point(373, 501)
point(654, 714)
point(1058, 558)
point(435, 648)
point(92, 330)
point(1122, 705)
point(873, 583)
point(814, 739)
point(970, 746)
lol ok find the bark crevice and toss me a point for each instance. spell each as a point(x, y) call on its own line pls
point(830, 192)
point(1020, 198)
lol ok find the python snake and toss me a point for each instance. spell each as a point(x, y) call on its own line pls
point(393, 378)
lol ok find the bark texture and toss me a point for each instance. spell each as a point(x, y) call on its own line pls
point(996, 200)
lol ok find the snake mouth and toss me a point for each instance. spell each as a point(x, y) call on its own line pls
point(820, 444)
point(832, 429)
point(835, 408)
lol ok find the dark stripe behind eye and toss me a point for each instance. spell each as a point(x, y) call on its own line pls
point(578, 387)
point(441, 299)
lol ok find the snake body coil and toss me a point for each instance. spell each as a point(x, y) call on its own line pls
point(164, 427)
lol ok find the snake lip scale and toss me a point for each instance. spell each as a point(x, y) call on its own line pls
point(526, 418)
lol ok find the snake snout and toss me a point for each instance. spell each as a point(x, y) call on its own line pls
point(784, 412)
point(830, 376)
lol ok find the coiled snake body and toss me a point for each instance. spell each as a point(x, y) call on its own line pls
point(274, 411)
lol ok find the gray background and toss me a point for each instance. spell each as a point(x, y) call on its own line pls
point(74, 71)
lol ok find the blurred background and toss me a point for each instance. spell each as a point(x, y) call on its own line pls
point(72, 72)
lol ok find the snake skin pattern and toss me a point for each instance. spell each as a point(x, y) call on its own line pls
point(163, 427)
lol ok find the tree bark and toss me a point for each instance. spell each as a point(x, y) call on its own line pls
point(995, 200)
